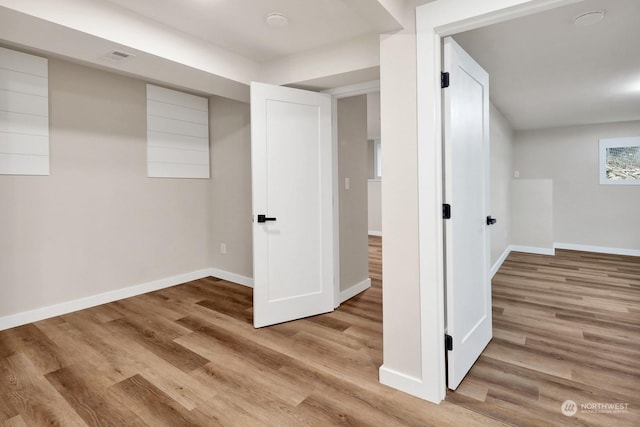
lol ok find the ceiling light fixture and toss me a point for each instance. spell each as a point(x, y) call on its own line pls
point(589, 18)
point(276, 20)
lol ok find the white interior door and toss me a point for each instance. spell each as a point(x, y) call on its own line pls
point(291, 151)
point(466, 151)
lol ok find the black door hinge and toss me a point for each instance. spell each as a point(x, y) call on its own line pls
point(446, 211)
point(444, 80)
point(448, 342)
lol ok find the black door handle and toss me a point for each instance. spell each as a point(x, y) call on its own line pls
point(264, 218)
point(491, 221)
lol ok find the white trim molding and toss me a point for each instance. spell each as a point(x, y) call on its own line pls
point(375, 233)
point(47, 312)
point(568, 246)
point(355, 290)
point(597, 249)
point(406, 383)
point(231, 277)
point(35, 315)
point(533, 250)
point(354, 90)
point(500, 261)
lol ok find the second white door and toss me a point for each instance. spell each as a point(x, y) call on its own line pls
point(466, 152)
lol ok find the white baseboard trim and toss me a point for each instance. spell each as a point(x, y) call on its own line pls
point(38, 314)
point(407, 384)
point(500, 261)
point(568, 246)
point(533, 250)
point(597, 249)
point(231, 277)
point(355, 290)
point(375, 233)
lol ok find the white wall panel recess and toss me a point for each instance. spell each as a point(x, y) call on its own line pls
point(177, 134)
point(24, 114)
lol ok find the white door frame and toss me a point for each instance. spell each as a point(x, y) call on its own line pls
point(433, 22)
point(338, 93)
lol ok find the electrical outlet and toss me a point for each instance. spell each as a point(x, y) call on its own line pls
point(223, 248)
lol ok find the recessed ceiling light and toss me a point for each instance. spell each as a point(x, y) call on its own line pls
point(589, 18)
point(277, 20)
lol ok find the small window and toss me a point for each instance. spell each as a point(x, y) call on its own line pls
point(620, 161)
point(177, 134)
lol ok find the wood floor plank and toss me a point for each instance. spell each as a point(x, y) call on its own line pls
point(34, 344)
point(266, 405)
point(228, 367)
point(576, 338)
point(126, 357)
point(249, 350)
point(155, 342)
point(89, 402)
point(232, 412)
point(16, 421)
point(7, 382)
point(155, 407)
point(31, 396)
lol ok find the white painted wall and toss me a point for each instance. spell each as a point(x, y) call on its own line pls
point(373, 115)
point(230, 205)
point(374, 184)
point(584, 212)
point(97, 228)
point(371, 159)
point(501, 168)
point(352, 165)
point(344, 57)
point(532, 215)
point(401, 307)
point(97, 223)
point(374, 201)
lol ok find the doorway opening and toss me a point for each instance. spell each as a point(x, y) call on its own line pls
point(434, 21)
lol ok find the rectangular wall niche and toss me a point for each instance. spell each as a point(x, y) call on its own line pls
point(620, 161)
point(24, 114)
point(177, 134)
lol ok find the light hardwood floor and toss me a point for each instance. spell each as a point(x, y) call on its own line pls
point(566, 327)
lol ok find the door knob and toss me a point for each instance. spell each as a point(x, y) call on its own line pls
point(491, 221)
point(264, 218)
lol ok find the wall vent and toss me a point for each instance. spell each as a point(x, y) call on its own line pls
point(117, 56)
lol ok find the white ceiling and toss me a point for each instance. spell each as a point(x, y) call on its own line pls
point(547, 72)
point(239, 25)
point(212, 46)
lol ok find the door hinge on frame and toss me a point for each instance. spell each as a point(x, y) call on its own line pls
point(448, 342)
point(444, 79)
point(446, 211)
